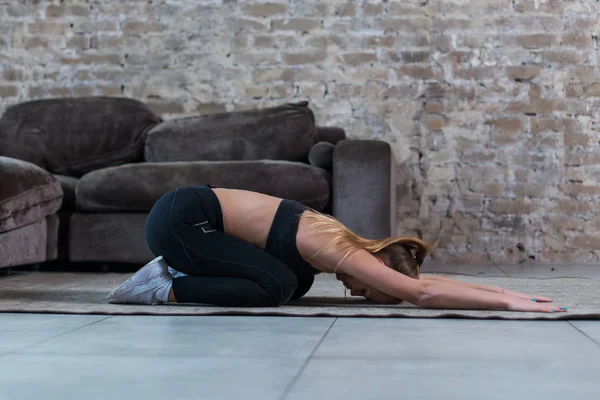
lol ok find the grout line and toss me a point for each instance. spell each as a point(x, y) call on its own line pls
point(289, 387)
point(53, 337)
point(584, 334)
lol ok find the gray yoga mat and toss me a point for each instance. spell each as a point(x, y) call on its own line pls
point(84, 293)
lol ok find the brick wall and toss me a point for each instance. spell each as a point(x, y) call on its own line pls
point(490, 104)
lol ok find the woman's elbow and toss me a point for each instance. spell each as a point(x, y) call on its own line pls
point(424, 296)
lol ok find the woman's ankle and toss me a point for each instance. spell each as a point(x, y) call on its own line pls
point(171, 298)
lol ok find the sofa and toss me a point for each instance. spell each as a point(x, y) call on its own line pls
point(78, 176)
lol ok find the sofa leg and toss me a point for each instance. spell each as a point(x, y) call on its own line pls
point(105, 267)
point(9, 271)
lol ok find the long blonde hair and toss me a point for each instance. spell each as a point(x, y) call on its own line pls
point(395, 252)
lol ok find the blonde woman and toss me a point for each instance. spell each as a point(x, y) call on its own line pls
point(229, 247)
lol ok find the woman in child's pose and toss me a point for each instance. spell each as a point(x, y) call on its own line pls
point(231, 247)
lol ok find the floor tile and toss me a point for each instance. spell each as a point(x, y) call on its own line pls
point(21, 330)
point(589, 328)
point(194, 336)
point(376, 379)
point(551, 271)
point(101, 377)
point(455, 339)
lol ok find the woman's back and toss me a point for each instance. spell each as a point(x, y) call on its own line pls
point(247, 215)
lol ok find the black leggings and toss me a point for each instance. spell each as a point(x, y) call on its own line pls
point(186, 227)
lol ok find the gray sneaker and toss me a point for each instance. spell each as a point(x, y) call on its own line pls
point(150, 285)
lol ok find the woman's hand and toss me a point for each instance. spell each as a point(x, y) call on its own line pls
point(531, 297)
point(517, 304)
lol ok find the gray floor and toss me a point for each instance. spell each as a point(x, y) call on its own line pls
point(148, 357)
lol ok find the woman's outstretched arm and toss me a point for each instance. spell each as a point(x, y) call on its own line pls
point(431, 293)
point(487, 288)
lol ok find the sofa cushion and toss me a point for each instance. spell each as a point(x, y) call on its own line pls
point(136, 187)
point(73, 136)
point(27, 193)
point(279, 133)
point(108, 237)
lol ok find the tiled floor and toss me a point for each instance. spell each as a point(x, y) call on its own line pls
point(66, 357)
point(146, 357)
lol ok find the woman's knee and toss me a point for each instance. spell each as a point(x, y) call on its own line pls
point(304, 285)
point(282, 288)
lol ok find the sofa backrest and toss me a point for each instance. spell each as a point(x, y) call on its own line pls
point(285, 132)
point(73, 136)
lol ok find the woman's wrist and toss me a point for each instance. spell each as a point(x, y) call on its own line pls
point(506, 300)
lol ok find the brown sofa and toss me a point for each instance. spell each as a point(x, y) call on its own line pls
point(78, 176)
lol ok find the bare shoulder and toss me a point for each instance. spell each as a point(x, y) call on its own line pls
point(315, 246)
point(358, 263)
point(311, 244)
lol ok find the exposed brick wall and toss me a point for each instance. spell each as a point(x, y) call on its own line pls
point(491, 104)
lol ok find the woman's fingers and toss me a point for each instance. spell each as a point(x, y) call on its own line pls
point(531, 306)
point(553, 309)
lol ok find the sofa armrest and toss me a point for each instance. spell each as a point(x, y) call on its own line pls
point(27, 193)
point(364, 189)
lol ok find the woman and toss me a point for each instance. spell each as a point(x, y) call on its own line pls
point(232, 247)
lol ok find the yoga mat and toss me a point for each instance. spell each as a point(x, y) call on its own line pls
point(84, 293)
